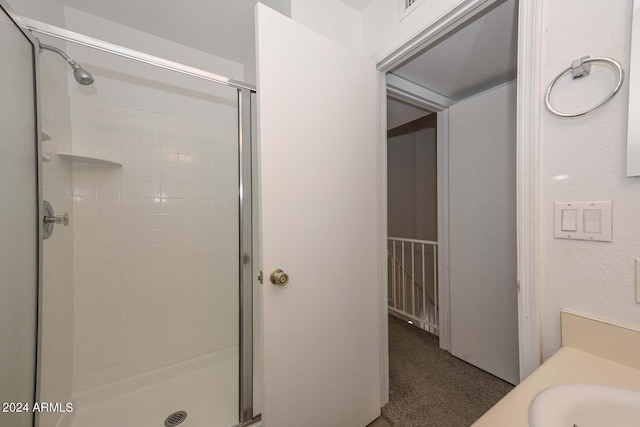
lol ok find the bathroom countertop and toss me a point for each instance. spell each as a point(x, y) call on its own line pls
point(568, 366)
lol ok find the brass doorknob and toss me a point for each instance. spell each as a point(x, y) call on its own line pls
point(279, 277)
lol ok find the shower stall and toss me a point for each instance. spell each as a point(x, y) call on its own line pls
point(129, 294)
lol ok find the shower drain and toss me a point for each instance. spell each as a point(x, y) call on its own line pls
point(175, 419)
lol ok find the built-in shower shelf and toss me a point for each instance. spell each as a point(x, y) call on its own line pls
point(89, 160)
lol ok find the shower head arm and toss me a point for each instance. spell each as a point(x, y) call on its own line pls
point(81, 75)
point(59, 52)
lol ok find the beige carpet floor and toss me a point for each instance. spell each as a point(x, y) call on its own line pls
point(380, 422)
point(431, 388)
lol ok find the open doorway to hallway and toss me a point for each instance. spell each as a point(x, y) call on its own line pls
point(452, 253)
point(412, 194)
point(428, 386)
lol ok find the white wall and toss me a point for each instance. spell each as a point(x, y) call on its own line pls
point(412, 181)
point(331, 18)
point(400, 113)
point(50, 12)
point(427, 188)
point(412, 187)
point(282, 6)
point(383, 31)
point(482, 231)
point(401, 185)
point(135, 85)
point(593, 278)
point(374, 32)
point(249, 67)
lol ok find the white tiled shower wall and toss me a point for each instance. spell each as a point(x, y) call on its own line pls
point(156, 242)
point(57, 294)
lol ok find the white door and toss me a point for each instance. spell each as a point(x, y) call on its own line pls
point(482, 232)
point(317, 112)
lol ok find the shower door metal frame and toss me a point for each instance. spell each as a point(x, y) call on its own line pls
point(246, 416)
point(246, 255)
point(18, 21)
point(125, 52)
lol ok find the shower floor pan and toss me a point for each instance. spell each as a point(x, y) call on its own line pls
point(209, 396)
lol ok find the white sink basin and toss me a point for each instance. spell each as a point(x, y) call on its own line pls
point(585, 405)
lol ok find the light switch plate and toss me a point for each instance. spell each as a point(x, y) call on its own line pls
point(584, 230)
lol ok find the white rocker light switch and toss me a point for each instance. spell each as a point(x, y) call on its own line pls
point(583, 221)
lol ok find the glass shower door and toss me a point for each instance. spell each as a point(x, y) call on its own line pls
point(154, 238)
point(18, 225)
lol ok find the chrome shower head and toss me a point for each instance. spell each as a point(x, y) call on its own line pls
point(81, 75)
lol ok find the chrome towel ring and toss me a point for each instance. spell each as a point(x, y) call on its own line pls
point(580, 68)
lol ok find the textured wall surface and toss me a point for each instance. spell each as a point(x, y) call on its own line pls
point(584, 160)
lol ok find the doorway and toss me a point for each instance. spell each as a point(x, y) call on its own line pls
point(463, 84)
point(412, 193)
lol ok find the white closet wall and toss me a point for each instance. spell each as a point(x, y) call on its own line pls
point(482, 219)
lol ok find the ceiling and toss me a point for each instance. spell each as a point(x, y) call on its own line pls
point(358, 5)
point(223, 28)
point(475, 58)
